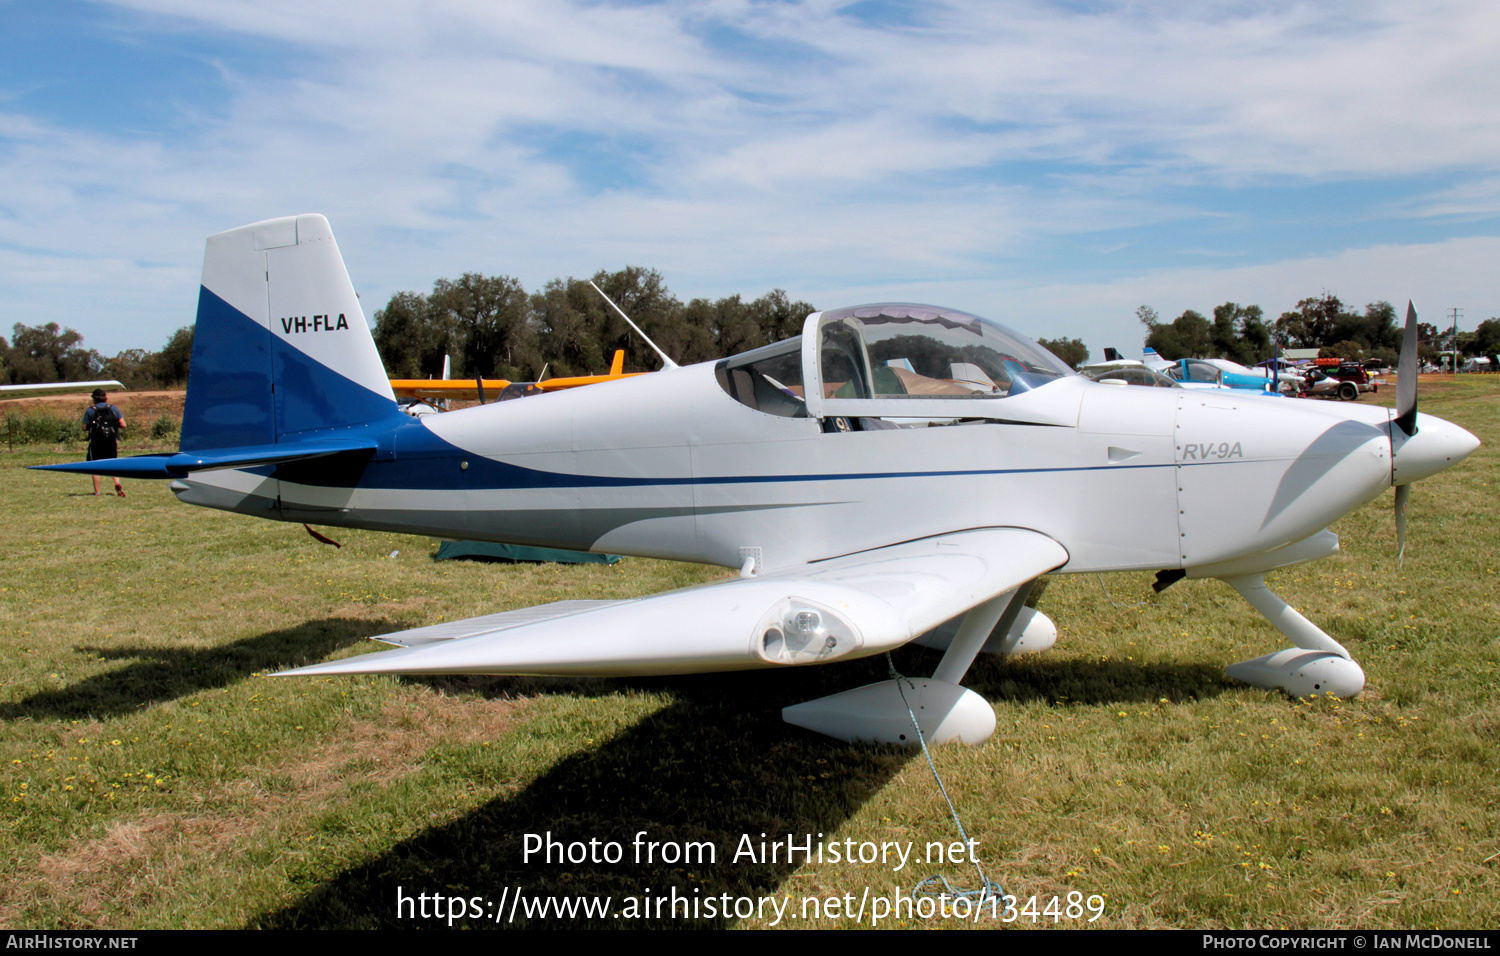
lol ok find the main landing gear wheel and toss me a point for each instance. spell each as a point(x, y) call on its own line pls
point(883, 712)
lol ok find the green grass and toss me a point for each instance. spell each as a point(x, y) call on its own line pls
point(155, 777)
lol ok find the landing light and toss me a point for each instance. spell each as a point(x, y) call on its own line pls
point(798, 632)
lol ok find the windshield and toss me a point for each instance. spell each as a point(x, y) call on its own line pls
point(1195, 370)
point(900, 350)
point(1131, 375)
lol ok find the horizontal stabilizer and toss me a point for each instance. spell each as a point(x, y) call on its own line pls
point(839, 609)
point(183, 463)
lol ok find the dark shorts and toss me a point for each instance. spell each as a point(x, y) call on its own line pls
point(98, 451)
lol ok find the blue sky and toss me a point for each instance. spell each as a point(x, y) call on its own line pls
point(1053, 165)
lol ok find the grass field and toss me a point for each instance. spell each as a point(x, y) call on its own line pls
point(155, 777)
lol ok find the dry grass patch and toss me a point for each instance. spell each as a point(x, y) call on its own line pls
point(139, 860)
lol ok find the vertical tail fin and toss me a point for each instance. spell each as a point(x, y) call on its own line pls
point(281, 348)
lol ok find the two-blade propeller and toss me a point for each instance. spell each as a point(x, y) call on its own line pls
point(1406, 417)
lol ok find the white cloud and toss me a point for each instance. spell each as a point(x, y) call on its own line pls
point(1434, 276)
point(1472, 199)
point(1227, 89)
point(739, 145)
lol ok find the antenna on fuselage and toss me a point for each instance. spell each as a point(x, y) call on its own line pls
point(666, 362)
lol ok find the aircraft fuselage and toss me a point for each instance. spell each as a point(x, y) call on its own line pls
point(668, 465)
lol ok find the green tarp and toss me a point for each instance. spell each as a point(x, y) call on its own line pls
point(485, 551)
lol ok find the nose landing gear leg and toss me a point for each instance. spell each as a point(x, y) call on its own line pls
point(1316, 665)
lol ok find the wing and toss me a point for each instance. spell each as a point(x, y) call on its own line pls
point(467, 390)
point(841, 608)
point(8, 392)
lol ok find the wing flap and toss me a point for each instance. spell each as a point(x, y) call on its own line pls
point(841, 608)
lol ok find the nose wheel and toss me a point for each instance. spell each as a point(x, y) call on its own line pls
point(1316, 664)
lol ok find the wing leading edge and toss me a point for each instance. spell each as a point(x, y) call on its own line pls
point(841, 608)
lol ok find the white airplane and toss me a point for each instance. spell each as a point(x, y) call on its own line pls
point(8, 392)
point(1195, 373)
point(1283, 376)
point(866, 497)
point(1115, 370)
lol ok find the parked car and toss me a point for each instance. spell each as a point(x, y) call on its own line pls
point(1344, 381)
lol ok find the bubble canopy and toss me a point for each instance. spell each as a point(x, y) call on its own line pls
point(873, 360)
point(905, 350)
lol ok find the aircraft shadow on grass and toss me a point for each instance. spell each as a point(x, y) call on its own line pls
point(715, 764)
point(1098, 682)
point(159, 674)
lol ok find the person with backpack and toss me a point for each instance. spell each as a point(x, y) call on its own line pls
point(103, 423)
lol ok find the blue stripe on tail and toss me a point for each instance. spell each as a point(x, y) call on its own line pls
point(230, 399)
point(229, 380)
point(311, 397)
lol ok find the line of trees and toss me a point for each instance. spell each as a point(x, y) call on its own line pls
point(490, 327)
point(1236, 332)
point(1484, 340)
point(1324, 324)
point(38, 355)
point(1241, 333)
point(1072, 351)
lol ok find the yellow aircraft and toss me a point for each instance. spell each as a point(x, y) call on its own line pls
point(486, 390)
